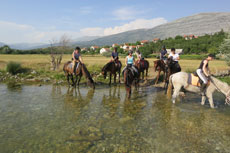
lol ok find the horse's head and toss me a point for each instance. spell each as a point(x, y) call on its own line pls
point(91, 83)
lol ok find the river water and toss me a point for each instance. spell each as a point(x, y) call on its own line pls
point(57, 119)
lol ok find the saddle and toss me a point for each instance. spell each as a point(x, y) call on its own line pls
point(195, 80)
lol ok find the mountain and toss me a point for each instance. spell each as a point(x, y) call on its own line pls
point(199, 24)
point(27, 46)
point(86, 38)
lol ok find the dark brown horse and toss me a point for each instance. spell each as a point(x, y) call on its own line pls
point(159, 66)
point(129, 77)
point(112, 67)
point(80, 70)
point(142, 65)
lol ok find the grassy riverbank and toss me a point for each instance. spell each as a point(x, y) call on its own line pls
point(39, 67)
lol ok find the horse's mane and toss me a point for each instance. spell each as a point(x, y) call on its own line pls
point(220, 84)
point(106, 66)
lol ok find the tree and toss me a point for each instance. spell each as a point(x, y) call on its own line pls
point(57, 48)
point(224, 49)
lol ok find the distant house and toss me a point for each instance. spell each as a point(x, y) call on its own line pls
point(103, 50)
point(132, 47)
point(138, 46)
point(144, 42)
point(155, 40)
point(94, 47)
point(189, 37)
point(178, 51)
point(125, 46)
point(115, 45)
point(85, 49)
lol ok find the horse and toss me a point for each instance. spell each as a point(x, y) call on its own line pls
point(159, 65)
point(142, 65)
point(113, 68)
point(80, 70)
point(171, 68)
point(181, 79)
point(129, 77)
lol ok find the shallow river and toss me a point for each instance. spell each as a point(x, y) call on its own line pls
point(57, 119)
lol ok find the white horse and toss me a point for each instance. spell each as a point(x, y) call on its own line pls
point(180, 79)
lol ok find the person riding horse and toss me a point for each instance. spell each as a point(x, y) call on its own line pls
point(139, 56)
point(114, 56)
point(203, 71)
point(129, 61)
point(175, 58)
point(76, 58)
point(163, 54)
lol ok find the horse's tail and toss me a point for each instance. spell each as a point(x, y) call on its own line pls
point(87, 75)
point(169, 90)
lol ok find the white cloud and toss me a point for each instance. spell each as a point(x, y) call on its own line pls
point(18, 33)
point(136, 24)
point(127, 13)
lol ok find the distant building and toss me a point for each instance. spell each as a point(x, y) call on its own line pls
point(178, 51)
point(132, 47)
point(189, 37)
point(85, 49)
point(94, 47)
point(138, 46)
point(115, 45)
point(144, 42)
point(103, 50)
point(155, 40)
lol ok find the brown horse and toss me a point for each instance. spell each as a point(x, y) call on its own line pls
point(142, 65)
point(113, 68)
point(129, 77)
point(159, 66)
point(80, 70)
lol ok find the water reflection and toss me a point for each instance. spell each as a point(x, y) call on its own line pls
point(14, 87)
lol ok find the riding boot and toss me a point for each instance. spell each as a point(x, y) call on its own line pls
point(74, 68)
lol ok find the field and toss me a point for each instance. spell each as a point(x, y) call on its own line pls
point(41, 62)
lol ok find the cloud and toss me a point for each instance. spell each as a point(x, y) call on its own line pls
point(18, 33)
point(133, 25)
point(127, 13)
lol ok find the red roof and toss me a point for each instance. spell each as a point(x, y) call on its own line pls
point(144, 41)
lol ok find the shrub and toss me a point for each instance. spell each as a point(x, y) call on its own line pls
point(13, 68)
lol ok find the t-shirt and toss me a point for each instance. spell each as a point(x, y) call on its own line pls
point(175, 56)
point(163, 53)
point(114, 54)
point(129, 60)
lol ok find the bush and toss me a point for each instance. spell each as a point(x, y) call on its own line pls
point(13, 68)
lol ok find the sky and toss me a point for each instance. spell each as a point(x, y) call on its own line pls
point(40, 21)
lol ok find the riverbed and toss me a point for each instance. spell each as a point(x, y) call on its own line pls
point(55, 118)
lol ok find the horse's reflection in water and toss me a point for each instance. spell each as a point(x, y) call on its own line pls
point(74, 97)
point(112, 100)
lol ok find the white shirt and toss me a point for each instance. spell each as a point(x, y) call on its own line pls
point(175, 56)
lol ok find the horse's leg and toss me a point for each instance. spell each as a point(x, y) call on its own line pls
point(143, 74)
point(67, 76)
point(110, 75)
point(210, 99)
point(147, 72)
point(72, 80)
point(78, 82)
point(119, 73)
point(175, 93)
point(158, 75)
point(203, 99)
point(115, 75)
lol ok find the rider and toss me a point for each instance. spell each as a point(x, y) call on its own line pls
point(175, 57)
point(204, 72)
point(76, 58)
point(114, 55)
point(139, 56)
point(163, 54)
point(129, 61)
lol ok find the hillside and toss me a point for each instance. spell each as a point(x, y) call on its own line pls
point(199, 24)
